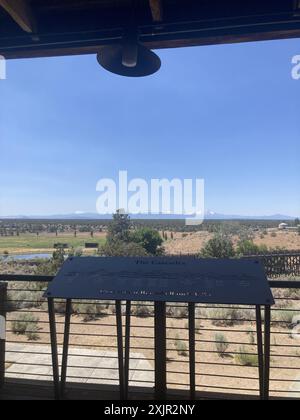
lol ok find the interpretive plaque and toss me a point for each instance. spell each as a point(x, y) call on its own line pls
point(186, 280)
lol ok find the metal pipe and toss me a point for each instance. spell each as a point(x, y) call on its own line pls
point(192, 351)
point(127, 348)
point(267, 352)
point(160, 351)
point(260, 351)
point(53, 340)
point(120, 347)
point(64, 365)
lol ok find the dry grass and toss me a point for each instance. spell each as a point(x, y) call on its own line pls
point(192, 243)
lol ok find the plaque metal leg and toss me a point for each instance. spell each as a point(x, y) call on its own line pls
point(160, 351)
point(267, 352)
point(120, 347)
point(64, 366)
point(54, 352)
point(127, 349)
point(260, 351)
point(192, 351)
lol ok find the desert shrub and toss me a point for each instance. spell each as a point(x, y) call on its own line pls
point(26, 324)
point(33, 335)
point(45, 269)
point(90, 311)
point(248, 247)
point(226, 317)
point(116, 248)
point(286, 317)
point(201, 315)
point(23, 300)
point(244, 358)
point(288, 294)
point(75, 252)
point(273, 234)
point(198, 326)
point(149, 239)
point(25, 295)
point(58, 257)
point(142, 310)
point(252, 337)
point(177, 310)
point(59, 306)
point(220, 246)
point(222, 344)
point(110, 307)
point(180, 346)
point(125, 242)
point(119, 228)
point(52, 266)
point(113, 309)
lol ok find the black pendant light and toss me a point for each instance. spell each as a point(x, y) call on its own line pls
point(130, 58)
point(119, 61)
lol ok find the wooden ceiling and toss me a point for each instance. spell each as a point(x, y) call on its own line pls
point(36, 28)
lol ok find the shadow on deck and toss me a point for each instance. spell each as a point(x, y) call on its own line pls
point(41, 390)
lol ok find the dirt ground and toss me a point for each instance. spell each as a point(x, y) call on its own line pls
point(192, 243)
point(214, 373)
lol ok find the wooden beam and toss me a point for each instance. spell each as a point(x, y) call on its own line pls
point(296, 8)
point(21, 13)
point(156, 10)
point(296, 5)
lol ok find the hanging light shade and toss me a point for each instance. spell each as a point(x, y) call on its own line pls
point(129, 59)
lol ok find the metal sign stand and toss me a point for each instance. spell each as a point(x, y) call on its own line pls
point(121, 280)
point(60, 380)
point(267, 354)
point(263, 350)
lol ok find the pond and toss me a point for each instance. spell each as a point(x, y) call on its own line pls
point(26, 257)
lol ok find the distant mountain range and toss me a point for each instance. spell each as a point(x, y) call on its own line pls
point(209, 215)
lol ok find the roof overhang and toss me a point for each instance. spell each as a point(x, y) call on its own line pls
point(40, 28)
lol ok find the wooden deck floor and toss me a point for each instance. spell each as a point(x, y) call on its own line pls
point(37, 390)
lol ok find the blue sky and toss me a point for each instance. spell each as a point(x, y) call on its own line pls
point(228, 114)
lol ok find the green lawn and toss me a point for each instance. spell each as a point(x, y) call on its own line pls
point(44, 242)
